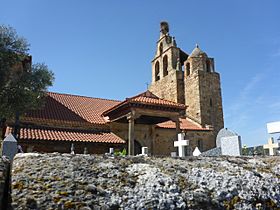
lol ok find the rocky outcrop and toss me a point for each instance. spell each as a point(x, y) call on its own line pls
point(64, 181)
point(4, 181)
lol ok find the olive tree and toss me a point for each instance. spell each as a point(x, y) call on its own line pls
point(22, 85)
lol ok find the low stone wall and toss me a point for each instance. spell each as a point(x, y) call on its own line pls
point(64, 181)
point(4, 182)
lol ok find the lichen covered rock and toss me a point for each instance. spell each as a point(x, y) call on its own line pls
point(64, 181)
point(4, 176)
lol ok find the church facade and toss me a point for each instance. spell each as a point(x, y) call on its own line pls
point(184, 96)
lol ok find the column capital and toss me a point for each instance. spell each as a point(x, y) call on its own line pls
point(132, 115)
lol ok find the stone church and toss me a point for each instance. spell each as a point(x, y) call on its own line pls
point(184, 96)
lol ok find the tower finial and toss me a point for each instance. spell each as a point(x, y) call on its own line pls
point(164, 28)
point(196, 45)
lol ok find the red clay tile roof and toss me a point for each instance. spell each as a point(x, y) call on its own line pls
point(66, 135)
point(148, 98)
point(82, 109)
point(156, 101)
point(66, 107)
point(185, 124)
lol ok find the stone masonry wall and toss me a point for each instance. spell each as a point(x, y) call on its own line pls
point(170, 87)
point(164, 141)
point(203, 93)
point(212, 111)
point(161, 141)
point(65, 146)
point(143, 133)
point(85, 182)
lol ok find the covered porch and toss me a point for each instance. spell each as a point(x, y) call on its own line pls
point(144, 109)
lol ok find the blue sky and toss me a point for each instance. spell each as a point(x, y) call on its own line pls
point(104, 48)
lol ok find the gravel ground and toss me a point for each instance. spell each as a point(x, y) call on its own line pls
point(64, 181)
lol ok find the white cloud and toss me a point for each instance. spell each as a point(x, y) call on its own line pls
point(251, 85)
point(241, 111)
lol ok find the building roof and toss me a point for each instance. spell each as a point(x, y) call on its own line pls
point(66, 135)
point(147, 99)
point(72, 108)
point(197, 52)
point(185, 124)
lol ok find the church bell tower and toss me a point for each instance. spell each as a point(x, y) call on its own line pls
point(203, 90)
point(167, 74)
point(196, 85)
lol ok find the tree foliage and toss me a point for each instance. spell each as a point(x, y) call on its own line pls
point(22, 85)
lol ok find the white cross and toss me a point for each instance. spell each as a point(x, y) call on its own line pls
point(271, 146)
point(181, 144)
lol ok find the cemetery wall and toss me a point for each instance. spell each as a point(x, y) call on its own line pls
point(4, 181)
point(65, 181)
point(65, 146)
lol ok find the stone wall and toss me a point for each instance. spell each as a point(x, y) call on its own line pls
point(164, 141)
point(143, 134)
point(170, 87)
point(85, 182)
point(65, 146)
point(4, 182)
point(161, 141)
point(203, 98)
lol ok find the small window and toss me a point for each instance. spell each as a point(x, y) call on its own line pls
point(188, 69)
point(165, 65)
point(157, 76)
point(160, 48)
point(211, 103)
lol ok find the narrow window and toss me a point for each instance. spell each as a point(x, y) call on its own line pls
point(211, 103)
point(165, 65)
point(208, 66)
point(160, 48)
point(157, 77)
point(188, 69)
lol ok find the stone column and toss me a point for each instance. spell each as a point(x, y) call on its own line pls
point(130, 135)
point(153, 136)
point(177, 122)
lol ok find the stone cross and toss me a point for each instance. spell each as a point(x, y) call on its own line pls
point(9, 147)
point(271, 146)
point(144, 151)
point(181, 144)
